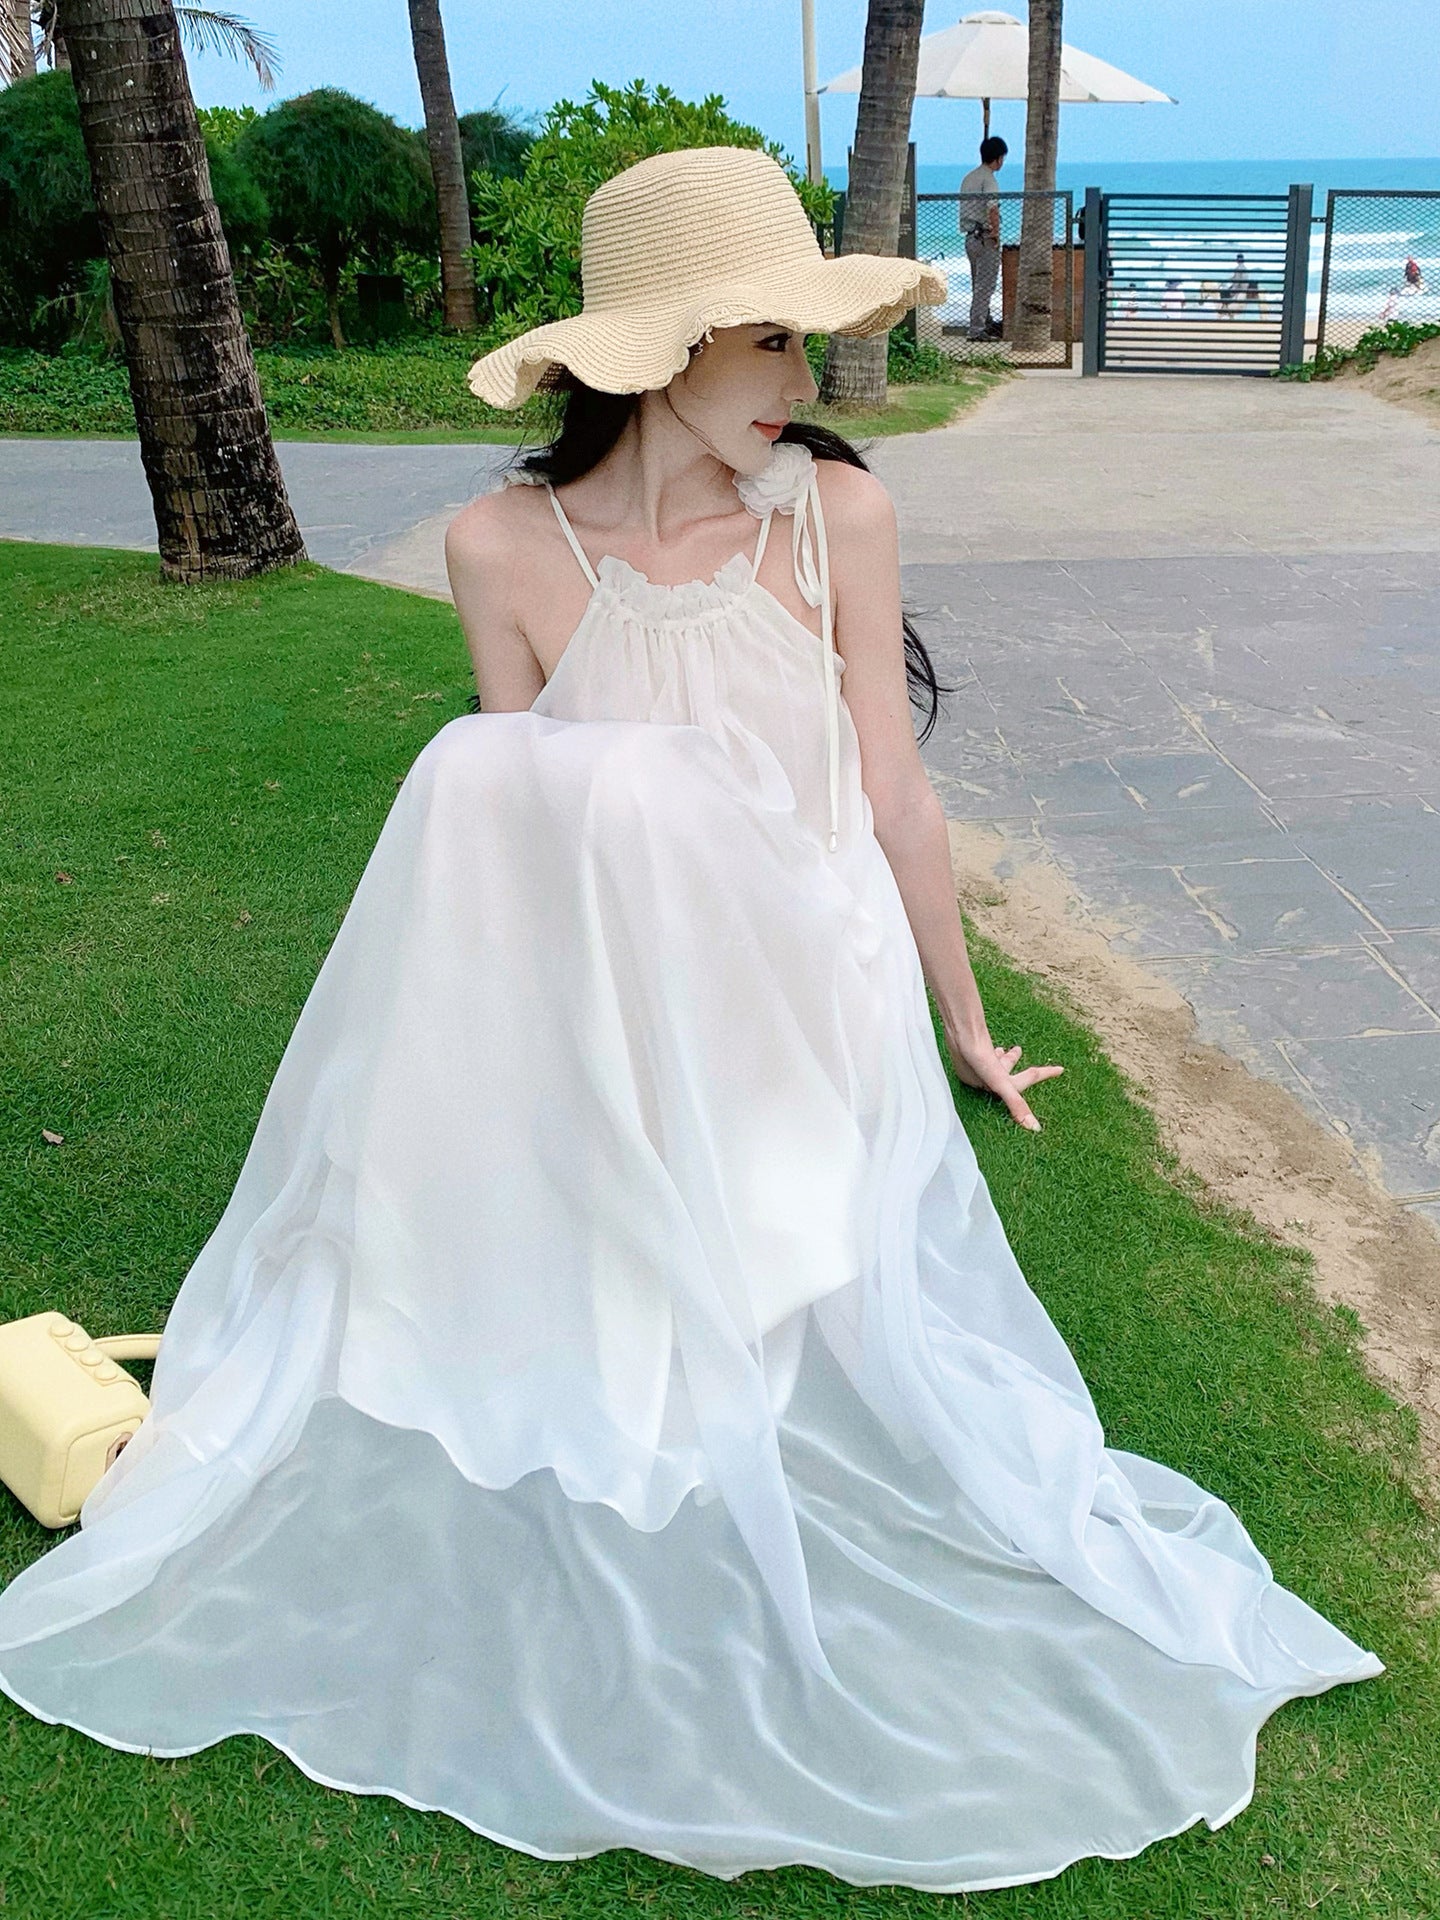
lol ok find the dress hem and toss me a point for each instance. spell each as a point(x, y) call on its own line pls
point(1365, 1670)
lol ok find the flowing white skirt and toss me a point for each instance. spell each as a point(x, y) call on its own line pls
point(609, 1409)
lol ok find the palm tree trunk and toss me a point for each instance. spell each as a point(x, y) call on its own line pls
point(442, 135)
point(855, 369)
point(1035, 277)
point(221, 509)
point(330, 277)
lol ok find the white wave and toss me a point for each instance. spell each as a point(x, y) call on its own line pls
point(1383, 263)
point(1403, 237)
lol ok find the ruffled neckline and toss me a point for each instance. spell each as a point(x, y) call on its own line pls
point(655, 600)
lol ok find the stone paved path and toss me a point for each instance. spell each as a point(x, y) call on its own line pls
point(1194, 626)
point(1195, 629)
point(353, 502)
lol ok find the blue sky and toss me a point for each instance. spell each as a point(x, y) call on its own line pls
point(1255, 79)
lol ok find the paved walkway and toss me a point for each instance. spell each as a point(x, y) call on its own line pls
point(352, 502)
point(1053, 467)
point(1194, 626)
point(1195, 629)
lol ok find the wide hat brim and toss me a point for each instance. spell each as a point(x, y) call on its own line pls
point(636, 349)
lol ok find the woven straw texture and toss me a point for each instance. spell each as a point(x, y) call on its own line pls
point(687, 241)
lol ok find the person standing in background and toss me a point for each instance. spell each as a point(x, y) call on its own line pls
point(979, 212)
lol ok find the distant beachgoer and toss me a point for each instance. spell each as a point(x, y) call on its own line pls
point(1234, 291)
point(1414, 278)
point(979, 214)
point(1173, 298)
point(1391, 306)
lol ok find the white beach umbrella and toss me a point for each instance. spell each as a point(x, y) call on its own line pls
point(986, 57)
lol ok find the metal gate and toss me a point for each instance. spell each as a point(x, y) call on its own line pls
point(1195, 282)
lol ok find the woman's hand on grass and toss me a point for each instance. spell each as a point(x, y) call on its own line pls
point(980, 1063)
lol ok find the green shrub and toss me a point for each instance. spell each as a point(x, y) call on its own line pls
point(493, 142)
point(223, 126)
point(347, 186)
point(48, 225)
point(242, 206)
point(402, 386)
point(922, 363)
point(408, 385)
point(77, 390)
point(527, 227)
point(54, 282)
point(1397, 337)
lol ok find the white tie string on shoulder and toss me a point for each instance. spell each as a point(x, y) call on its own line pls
point(790, 484)
point(814, 585)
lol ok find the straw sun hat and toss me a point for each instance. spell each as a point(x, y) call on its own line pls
point(687, 241)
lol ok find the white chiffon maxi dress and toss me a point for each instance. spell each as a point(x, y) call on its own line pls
point(609, 1409)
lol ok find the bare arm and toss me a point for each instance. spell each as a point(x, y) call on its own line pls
point(909, 820)
point(479, 558)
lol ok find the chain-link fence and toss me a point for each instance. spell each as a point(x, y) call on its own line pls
point(982, 269)
point(1381, 262)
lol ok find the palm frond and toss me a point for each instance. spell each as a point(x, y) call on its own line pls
point(14, 23)
point(204, 30)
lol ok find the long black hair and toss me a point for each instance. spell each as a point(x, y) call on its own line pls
point(592, 422)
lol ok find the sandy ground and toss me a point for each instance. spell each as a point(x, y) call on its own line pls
point(1412, 381)
point(1251, 1143)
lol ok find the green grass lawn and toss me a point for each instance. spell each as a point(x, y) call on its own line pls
point(194, 780)
point(412, 392)
point(911, 409)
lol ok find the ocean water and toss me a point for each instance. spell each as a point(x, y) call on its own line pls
point(1198, 176)
point(1373, 239)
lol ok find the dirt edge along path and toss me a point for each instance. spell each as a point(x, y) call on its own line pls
point(1249, 1140)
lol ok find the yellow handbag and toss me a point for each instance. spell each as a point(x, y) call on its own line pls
point(66, 1410)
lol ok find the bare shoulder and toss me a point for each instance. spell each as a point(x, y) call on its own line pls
point(856, 503)
point(483, 536)
point(486, 545)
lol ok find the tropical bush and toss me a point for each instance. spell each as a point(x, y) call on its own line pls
point(1396, 337)
point(48, 225)
point(345, 184)
point(527, 226)
point(223, 126)
point(413, 384)
point(54, 283)
point(493, 142)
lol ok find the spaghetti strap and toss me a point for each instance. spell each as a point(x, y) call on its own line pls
point(759, 553)
point(569, 532)
point(810, 553)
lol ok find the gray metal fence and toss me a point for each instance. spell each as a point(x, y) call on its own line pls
point(1182, 283)
point(1195, 283)
point(1381, 262)
point(939, 238)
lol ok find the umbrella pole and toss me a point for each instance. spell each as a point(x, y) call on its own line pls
point(986, 105)
point(814, 164)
